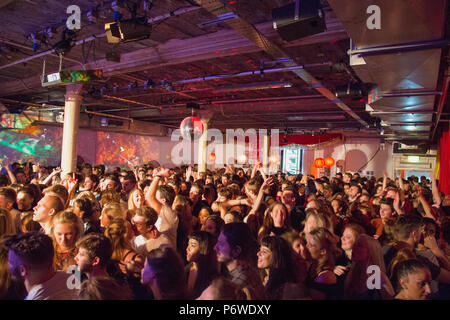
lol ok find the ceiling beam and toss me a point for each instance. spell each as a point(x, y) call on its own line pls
point(220, 44)
point(247, 30)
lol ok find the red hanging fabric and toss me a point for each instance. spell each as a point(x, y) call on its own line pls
point(444, 176)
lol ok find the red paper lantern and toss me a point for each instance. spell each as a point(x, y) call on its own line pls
point(329, 161)
point(319, 162)
point(212, 157)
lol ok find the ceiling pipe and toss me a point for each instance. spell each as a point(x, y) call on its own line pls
point(254, 72)
point(134, 102)
point(108, 115)
point(18, 45)
point(441, 102)
point(400, 48)
point(319, 115)
point(223, 76)
point(411, 94)
point(97, 36)
point(183, 105)
point(20, 102)
point(406, 112)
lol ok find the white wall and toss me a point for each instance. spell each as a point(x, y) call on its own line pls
point(355, 153)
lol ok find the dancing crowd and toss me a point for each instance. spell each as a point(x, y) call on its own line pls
point(230, 233)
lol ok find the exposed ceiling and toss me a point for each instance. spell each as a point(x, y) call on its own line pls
point(240, 71)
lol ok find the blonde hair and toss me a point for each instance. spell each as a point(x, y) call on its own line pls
point(116, 232)
point(67, 216)
point(131, 204)
point(109, 196)
point(6, 223)
point(90, 196)
point(113, 210)
point(323, 219)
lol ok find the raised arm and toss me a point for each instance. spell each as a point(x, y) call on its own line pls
point(256, 167)
point(188, 173)
point(150, 197)
point(431, 243)
point(261, 169)
point(397, 202)
point(437, 200)
point(11, 175)
point(50, 176)
point(384, 180)
point(266, 184)
point(401, 190)
point(426, 206)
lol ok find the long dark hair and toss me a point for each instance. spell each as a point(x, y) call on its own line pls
point(281, 270)
point(207, 261)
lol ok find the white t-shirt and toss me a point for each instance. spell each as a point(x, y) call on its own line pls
point(139, 244)
point(56, 288)
point(167, 224)
point(162, 240)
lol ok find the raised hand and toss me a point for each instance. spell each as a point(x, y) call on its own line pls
point(188, 172)
point(419, 192)
point(267, 183)
point(164, 172)
point(6, 163)
point(397, 199)
point(71, 183)
point(431, 243)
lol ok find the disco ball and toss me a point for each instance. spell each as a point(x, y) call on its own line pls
point(191, 128)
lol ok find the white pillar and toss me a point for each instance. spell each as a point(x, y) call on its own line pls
point(70, 132)
point(266, 154)
point(202, 143)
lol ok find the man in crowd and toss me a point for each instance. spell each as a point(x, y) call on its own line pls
point(46, 208)
point(30, 260)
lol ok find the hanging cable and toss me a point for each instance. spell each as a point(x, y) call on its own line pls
point(379, 148)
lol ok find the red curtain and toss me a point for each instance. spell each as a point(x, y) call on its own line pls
point(444, 175)
point(307, 139)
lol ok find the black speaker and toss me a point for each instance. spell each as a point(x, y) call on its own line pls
point(299, 19)
point(128, 30)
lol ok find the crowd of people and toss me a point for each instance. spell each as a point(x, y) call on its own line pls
point(230, 233)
